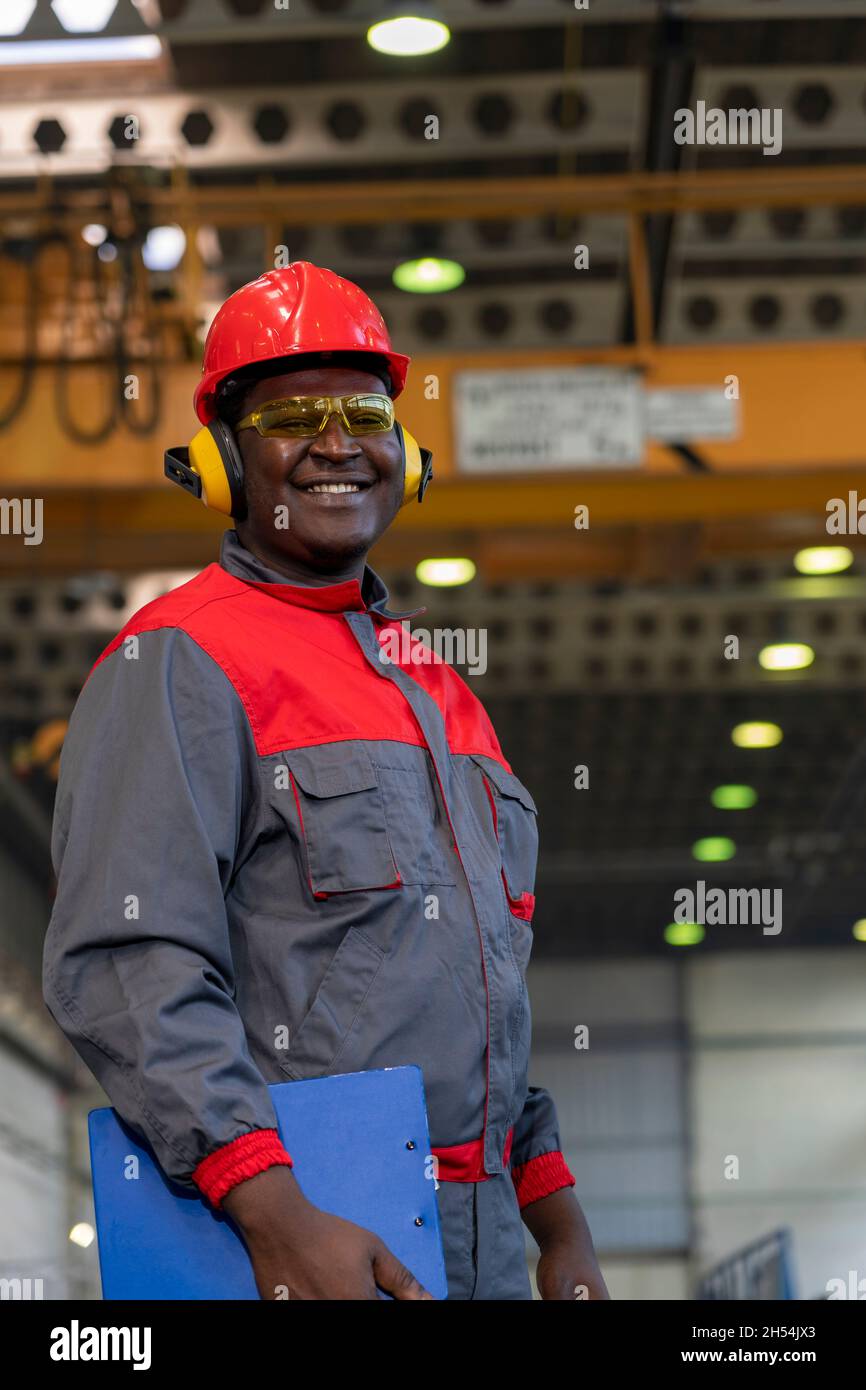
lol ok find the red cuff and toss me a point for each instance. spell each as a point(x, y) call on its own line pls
point(540, 1176)
point(235, 1162)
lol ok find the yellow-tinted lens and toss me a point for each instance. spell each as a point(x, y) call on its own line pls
point(301, 416)
point(368, 414)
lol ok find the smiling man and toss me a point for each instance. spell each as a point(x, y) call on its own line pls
point(280, 857)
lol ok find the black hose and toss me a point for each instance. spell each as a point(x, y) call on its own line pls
point(146, 424)
point(76, 432)
point(27, 252)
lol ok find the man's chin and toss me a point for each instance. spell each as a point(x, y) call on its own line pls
point(327, 556)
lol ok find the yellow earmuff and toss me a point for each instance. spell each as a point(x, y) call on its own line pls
point(418, 467)
point(212, 469)
point(207, 457)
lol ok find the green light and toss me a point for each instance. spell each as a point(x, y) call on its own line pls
point(734, 797)
point(684, 933)
point(786, 656)
point(858, 931)
point(445, 573)
point(430, 275)
point(756, 734)
point(823, 559)
point(408, 36)
point(713, 849)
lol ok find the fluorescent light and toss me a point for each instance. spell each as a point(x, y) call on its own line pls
point(733, 797)
point(83, 16)
point(823, 559)
point(429, 275)
point(445, 573)
point(134, 47)
point(684, 933)
point(163, 247)
point(786, 656)
point(408, 36)
point(16, 15)
point(756, 734)
point(713, 849)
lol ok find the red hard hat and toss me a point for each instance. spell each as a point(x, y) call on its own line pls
point(303, 308)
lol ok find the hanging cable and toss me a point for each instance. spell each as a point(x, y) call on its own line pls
point(76, 432)
point(27, 253)
point(130, 261)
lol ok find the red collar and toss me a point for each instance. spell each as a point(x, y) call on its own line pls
point(346, 597)
point(325, 598)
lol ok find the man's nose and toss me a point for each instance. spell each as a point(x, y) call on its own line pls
point(335, 442)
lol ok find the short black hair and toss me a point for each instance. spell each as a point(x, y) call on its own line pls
point(232, 391)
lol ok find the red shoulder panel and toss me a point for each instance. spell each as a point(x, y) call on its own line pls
point(299, 672)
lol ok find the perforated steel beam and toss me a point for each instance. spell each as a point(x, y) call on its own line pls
point(321, 124)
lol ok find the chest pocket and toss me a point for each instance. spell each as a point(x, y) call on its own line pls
point(515, 824)
point(342, 817)
point(417, 825)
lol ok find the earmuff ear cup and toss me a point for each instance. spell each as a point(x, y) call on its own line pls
point(214, 455)
point(418, 466)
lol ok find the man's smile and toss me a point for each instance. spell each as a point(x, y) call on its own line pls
point(328, 487)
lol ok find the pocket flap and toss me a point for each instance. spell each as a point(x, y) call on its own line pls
point(331, 771)
point(505, 782)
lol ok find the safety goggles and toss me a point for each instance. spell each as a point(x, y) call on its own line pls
point(303, 417)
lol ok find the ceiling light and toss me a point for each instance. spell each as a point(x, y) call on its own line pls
point(15, 16)
point(82, 1234)
point(163, 247)
point(733, 797)
point(131, 48)
point(684, 933)
point(786, 656)
point(713, 849)
point(756, 734)
point(408, 36)
point(84, 16)
point(445, 573)
point(430, 275)
point(823, 559)
point(94, 233)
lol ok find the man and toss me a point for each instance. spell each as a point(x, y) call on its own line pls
point(280, 856)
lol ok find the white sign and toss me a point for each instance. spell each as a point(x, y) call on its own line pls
point(682, 414)
point(548, 418)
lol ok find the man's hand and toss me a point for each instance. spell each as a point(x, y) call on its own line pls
point(567, 1266)
point(300, 1252)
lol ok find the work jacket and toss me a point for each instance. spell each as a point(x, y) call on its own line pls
point(280, 856)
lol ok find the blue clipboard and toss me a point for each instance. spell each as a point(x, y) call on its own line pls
point(360, 1147)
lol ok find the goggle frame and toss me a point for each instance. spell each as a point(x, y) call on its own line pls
point(328, 406)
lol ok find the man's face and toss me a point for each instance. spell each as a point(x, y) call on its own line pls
point(327, 531)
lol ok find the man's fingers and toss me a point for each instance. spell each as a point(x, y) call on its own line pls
point(395, 1278)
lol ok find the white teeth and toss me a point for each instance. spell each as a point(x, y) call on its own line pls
point(334, 487)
